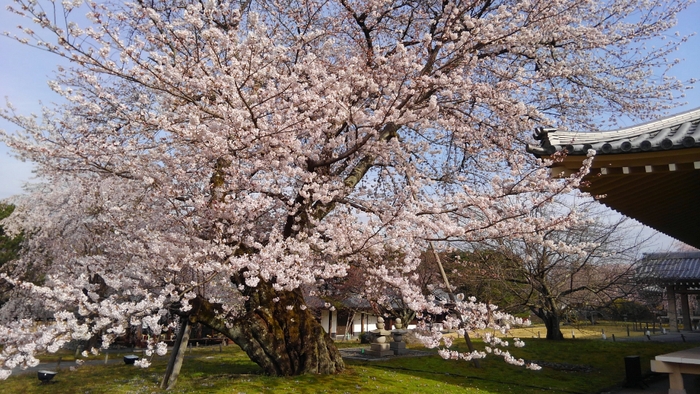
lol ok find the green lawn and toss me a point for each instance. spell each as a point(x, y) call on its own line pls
point(571, 366)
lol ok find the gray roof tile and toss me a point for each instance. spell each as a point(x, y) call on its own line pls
point(673, 132)
point(670, 268)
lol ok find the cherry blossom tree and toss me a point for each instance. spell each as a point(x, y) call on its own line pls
point(210, 158)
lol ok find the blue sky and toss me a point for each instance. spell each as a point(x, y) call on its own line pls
point(25, 70)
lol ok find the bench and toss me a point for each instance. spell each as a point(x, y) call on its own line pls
point(675, 364)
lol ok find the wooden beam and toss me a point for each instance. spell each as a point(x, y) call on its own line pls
point(638, 159)
point(668, 367)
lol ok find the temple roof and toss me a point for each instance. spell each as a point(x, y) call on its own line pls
point(670, 268)
point(674, 132)
point(649, 172)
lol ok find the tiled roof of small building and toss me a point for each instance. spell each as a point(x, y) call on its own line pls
point(674, 132)
point(670, 268)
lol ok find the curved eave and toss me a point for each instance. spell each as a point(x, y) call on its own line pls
point(660, 189)
point(680, 131)
point(658, 186)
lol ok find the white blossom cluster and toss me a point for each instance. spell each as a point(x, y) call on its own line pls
point(468, 316)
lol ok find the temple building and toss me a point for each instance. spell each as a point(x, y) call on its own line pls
point(649, 172)
point(677, 273)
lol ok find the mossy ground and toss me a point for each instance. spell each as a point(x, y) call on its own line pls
point(572, 366)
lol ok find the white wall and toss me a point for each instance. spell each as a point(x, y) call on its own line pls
point(333, 315)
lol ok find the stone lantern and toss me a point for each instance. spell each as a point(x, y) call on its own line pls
point(398, 346)
point(380, 347)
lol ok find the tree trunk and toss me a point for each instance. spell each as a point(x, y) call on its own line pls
point(281, 341)
point(551, 322)
point(349, 323)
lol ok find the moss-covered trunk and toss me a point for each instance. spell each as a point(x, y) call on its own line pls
point(283, 341)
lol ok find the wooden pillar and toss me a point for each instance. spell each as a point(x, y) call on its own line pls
point(334, 324)
point(685, 310)
point(672, 314)
point(330, 322)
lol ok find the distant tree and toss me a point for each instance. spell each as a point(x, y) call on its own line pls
point(594, 269)
point(630, 309)
point(9, 245)
point(468, 273)
point(9, 250)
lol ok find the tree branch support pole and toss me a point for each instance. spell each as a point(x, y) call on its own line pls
point(467, 339)
point(178, 354)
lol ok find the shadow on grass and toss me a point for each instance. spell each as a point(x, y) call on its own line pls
point(228, 370)
point(571, 366)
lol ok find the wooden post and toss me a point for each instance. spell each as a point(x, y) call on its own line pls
point(672, 312)
point(685, 310)
point(178, 355)
point(467, 339)
point(330, 322)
